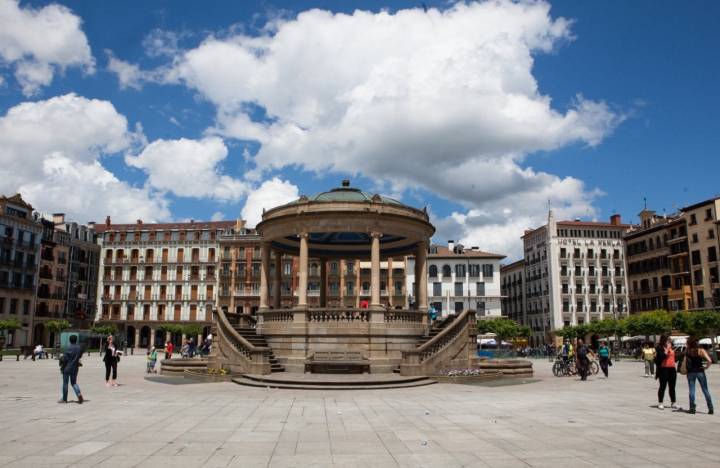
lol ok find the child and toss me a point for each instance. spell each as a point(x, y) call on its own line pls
point(151, 360)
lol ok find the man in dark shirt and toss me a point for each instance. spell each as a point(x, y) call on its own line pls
point(71, 358)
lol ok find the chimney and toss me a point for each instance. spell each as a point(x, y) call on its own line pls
point(107, 221)
point(346, 182)
point(139, 222)
point(91, 225)
point(239, 225)
point(451, 245)
point(615, 220)
point(58, 218)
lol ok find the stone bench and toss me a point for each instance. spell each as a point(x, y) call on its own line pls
point(337, 362)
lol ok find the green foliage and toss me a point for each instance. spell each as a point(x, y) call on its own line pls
point(607, 327)
point(56, 326)
point(104, 329)
point(191, 330)
point(171, 328)
point(10, 324)
point(503, 328)
point(704, 323)
point(649, 323)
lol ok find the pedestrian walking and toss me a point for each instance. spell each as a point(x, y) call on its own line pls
point(111, 358)
point(648, 356)
point(69, 366)
point(665, 373)
point(582, 362)
point(698, 361)
point(604, 354)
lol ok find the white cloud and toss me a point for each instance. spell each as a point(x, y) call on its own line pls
point(271, 193)
point(50, 151)
point(39, 41)
point(444, 101)
point(217, 216)
point(189, 168)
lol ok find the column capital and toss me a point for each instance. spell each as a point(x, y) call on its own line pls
point(303, 235)
point(376, 234)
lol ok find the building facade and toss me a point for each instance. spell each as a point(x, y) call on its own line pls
point(702, 230)
point(52, 281)
point(151, 274)
point(512, 291)
point(657, 258)
point(20, 235)
point(83, 268)
point(460, 278)
point(574, 274)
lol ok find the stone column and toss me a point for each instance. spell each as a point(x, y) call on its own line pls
point(168, 336)
point(375, 271)
point(264, 270)
point(152, 337)
point(421, 276)
point(277, 286)
point(137, 338)
point(303, 267)
point(323, 282)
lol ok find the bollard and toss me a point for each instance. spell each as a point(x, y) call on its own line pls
point(132, 351)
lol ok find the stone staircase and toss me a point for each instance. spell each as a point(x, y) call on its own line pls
point(437, 327)
point(251, 335)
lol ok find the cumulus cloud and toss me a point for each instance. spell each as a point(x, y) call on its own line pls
point(443, 101)
point(269, 194)
point(38, 42)
point(50, 153)
point(188, 168)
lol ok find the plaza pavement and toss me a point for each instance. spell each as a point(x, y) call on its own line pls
point(554, 422)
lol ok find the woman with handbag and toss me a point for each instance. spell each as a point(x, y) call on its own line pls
point(111, 359)
point(695, 369)
point(665, 371)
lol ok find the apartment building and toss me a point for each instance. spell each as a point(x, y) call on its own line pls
point(461, 278)
point(512, 291)
point(657, 259)
point(574, 274)
point(152, 274)
point(52, 281)
point(702, 230)
point(82, 272)
point(20, 235)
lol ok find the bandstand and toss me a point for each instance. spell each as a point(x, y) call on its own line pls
point(343, 223)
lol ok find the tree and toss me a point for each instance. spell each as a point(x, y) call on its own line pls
point(568, 332)
point(658, 322)
point(704, 323)
point(191, 330)
point(104, 329)
point(503, 328)
point(10, 324)
point(57, 326)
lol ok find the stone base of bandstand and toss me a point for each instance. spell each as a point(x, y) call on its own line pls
point(381, 343)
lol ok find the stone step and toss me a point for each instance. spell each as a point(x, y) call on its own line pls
point(242, 380)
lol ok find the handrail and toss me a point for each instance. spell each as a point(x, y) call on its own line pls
point(438, 342)
point(246, 347)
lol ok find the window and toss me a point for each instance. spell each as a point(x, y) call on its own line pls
point(349, 288)
point(458, 288)
point(459, 306)
point(566, 306)
point(287, 269)
point(708, 214)
point(487, 271)
point(398, 288)
point(474, 271)
point(433, 271)
point(563, 253)
point(565, 289)
point(437, 289)
point(460, 270)
point(711, 234)
point(481, 307)
point(695, 257)
point(693, 219)
point(712, 254)
point(698, 277)
point(480, 288)
point(446, 271)
point(694, 238)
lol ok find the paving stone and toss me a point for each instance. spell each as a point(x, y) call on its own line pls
point(554, 422)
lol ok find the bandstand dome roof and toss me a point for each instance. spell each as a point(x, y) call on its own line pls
point(340, 222)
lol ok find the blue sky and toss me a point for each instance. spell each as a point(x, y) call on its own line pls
point(617, 101)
